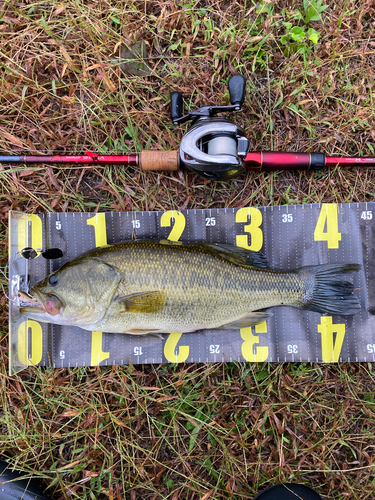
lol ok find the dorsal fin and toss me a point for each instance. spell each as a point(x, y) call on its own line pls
point(239, 256)
point(236, 255)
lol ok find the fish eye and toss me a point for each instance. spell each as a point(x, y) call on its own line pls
point(53, 280)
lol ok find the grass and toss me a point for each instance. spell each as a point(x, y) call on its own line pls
point(182, 431)
point(219, 431)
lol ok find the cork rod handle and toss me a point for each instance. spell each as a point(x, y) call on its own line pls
point(159, 160)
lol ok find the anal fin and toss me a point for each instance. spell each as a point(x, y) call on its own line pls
point(145, 332)
point(251, 319)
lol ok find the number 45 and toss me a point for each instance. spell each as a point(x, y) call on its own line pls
point(366, 215)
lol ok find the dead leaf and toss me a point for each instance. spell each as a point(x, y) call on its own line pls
point(91, 473)
point(166, 398)
point(25, 173)
point(70, 413)
point(192, 421)
point(9, 137)
point(56, 201)
point(133, 60)
point(59, 10)
point(279, 425)
point(120, 424)
point(67, 99)
point(207, 495)
point(67, 58)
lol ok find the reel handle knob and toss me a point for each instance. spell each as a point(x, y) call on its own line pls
point(237, 89)
point(176, 106)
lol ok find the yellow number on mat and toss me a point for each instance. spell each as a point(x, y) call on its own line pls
point(253, 229)
point(247, 348)
point(179, 223)
point(97, 353)
point(328, 220)
point(171, 346)
point(36, 345)
point(36, 342)
point(331, 350)
point(36, 232)
point(100, 228)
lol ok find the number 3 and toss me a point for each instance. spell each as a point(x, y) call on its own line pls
point(253, 229)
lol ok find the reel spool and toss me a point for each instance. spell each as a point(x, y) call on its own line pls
point(214, 149)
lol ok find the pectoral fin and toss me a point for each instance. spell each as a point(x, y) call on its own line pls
point(251, 319)
point(142, 302)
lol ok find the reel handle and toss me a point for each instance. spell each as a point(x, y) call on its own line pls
point(237, 89)
point(177, 106)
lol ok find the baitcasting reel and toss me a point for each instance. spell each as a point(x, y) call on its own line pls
point(213, 146)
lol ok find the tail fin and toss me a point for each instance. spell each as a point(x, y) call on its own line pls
point(326, 295)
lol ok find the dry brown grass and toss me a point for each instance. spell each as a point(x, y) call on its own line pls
point(189, 431)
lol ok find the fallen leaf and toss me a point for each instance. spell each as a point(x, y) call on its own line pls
point(207, 495)
point(59, 10)
point(71, 413)
point(11, 138)
point(133, 60)
point(67, 57)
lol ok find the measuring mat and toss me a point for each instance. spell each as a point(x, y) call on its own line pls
point(290, 236)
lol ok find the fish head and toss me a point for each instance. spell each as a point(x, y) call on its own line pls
point(78, 294)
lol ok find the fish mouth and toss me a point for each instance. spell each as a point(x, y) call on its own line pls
point(37, 303)
point(30, 303)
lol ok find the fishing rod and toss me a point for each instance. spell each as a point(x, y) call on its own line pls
point(213, 147)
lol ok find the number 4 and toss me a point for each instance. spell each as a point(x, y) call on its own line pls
point(327, 227)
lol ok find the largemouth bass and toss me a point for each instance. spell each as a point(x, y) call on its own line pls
point(152, 287)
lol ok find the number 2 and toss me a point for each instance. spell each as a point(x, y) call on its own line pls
point(178, 226)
